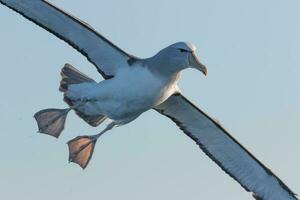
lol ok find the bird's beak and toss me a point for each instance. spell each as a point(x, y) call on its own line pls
point(195, 63)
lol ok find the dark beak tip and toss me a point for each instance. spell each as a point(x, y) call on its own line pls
point(204, 70)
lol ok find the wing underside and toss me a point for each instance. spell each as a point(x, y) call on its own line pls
point(106, 56)
point(224, 150)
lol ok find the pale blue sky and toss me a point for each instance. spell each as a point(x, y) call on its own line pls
point(251, 49)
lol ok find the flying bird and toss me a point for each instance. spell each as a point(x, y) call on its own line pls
point(132, 86)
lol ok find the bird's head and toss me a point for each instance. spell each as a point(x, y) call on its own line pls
point(179, 56)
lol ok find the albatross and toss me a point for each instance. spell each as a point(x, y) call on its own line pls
point(132, 86)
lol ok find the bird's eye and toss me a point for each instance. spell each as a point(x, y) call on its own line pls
point(184, 50)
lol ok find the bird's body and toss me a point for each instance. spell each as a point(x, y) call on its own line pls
point(124, 97)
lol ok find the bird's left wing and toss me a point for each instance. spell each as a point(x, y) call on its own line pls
point(224, 150)
point(107, 57)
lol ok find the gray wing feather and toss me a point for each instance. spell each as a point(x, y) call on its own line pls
point(106, 56)
point(224, 150)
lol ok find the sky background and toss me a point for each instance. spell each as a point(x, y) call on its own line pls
point(251, 49)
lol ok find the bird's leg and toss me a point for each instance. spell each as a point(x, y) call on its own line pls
point(52, 121)
point(81, 148)
point(87, 99)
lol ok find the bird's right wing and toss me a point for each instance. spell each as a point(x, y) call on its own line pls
point(224, 150)
point(106, 56)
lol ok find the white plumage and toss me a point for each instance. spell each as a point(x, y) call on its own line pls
point(123, 98)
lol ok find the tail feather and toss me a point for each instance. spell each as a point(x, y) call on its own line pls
point(91, 120)
point(70, 75)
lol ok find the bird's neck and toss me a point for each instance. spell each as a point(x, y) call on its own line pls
point(162, 69)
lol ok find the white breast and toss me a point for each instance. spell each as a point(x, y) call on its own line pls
point(131, 92)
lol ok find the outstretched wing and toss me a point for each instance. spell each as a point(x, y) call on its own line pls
point(106, 56)
point(224, 150)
